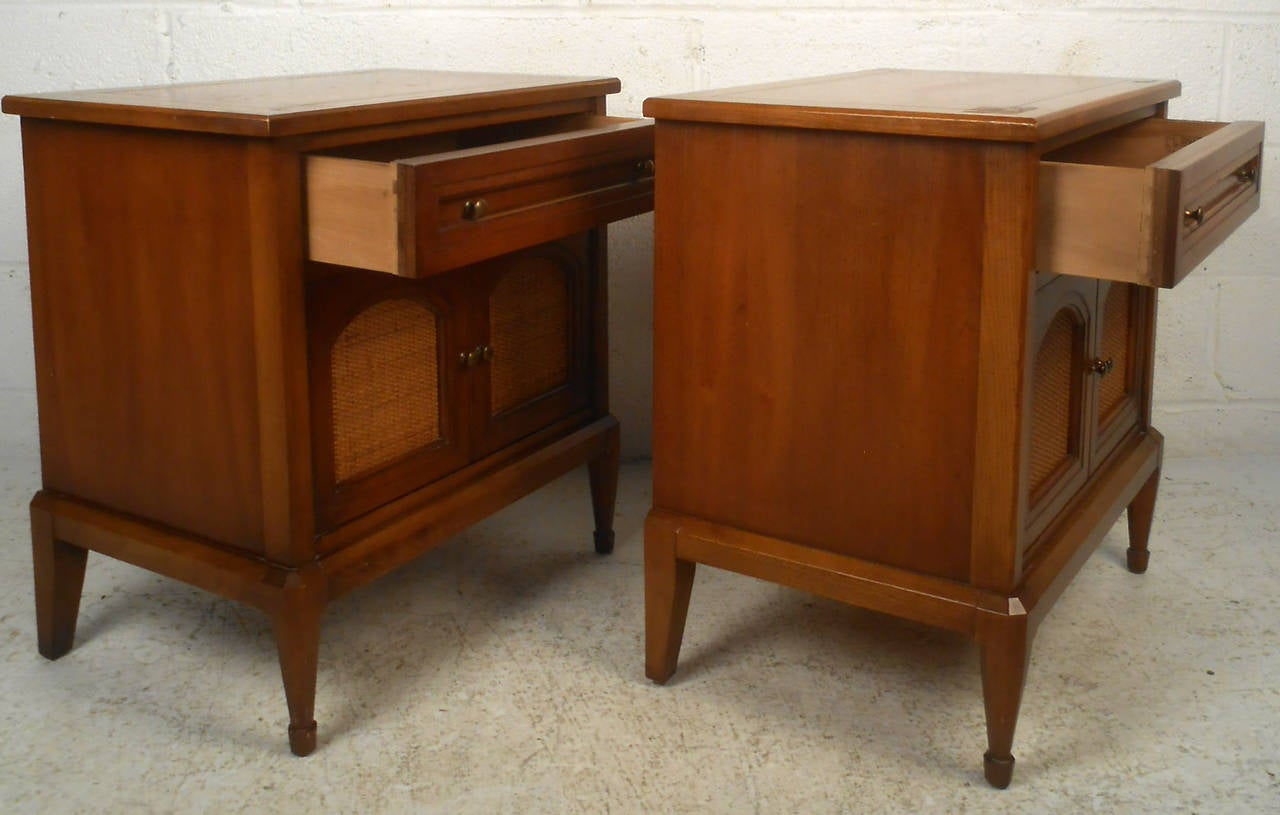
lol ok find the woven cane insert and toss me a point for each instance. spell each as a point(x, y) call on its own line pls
point(1051, 401)
point(1115, 346)
point(386, 399)
point(529, 316)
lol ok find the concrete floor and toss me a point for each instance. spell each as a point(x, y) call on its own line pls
point(502, 673)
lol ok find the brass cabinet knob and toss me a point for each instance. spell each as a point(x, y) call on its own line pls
point(474, 209)
point(1193, 216)
point(486, 352)
point(1248, 174)
point(1102, 367)
point(644, 167)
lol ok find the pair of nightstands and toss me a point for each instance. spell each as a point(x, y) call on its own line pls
point(291, 333)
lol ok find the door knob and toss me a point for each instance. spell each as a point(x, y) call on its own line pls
point(1102, 367)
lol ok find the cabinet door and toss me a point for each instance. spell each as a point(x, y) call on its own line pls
point(1117, 365)
point(1057, 460)
point(534, 343)
point(383, 392)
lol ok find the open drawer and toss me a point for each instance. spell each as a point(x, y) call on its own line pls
point(421, 206)
point(1146, 203)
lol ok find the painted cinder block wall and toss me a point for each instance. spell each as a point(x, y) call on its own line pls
point(1218, 369)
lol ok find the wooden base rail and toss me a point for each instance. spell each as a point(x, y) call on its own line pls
point(65, 530)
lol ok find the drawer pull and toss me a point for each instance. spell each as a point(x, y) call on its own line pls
point(1247, 175)
point(644, 167)
point(1193, 216)
point(474, 209)
point(1102, 367)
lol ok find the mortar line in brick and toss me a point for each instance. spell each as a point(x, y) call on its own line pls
point(1213, 337)
point(1232, 405)
point(1120, 13)
point(1224, 76)
point(164, 24)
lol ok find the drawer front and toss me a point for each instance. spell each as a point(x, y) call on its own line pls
point(1147, 203)
point(422, 215)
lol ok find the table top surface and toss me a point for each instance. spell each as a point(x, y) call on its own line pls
point(292, 105)
point(995, 106)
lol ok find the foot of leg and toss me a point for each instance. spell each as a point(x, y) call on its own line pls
point(297, 628)
point(59, 578)
point(1141, 510)
point(603, 473)
point(1005, 643)
point(997, 771)
point(668, 583)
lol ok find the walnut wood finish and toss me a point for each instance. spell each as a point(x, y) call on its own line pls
point(864, 387)
point(947, 104)
point(308, 104)
point(186, 348)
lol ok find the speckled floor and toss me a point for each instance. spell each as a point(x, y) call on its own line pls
point(502, 673)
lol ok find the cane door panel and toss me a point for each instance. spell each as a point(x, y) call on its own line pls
point(536, 341)
point(385, 417)
point(1058, 455)
point(1117, 365)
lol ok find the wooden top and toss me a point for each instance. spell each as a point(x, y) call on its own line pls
point(999, 107)
point(292, 105)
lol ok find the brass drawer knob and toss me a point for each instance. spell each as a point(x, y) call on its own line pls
point(1247, 175)
point(644, 167)
point(1193, 216)
point(474, 209)
point(1102, 367)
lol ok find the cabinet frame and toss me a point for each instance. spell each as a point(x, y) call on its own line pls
point(955, 146)
point(205, 363)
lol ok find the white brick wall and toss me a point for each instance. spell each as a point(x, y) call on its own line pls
point(1218, 374)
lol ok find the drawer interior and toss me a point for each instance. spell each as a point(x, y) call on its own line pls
point(1140, 144)
point(437, 143)
point(1147, 202)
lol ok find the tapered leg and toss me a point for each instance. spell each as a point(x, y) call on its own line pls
point(668, 583)
point(59, 572)
point(1006, 647)
point(603, 472)
point(297, 629)
point(1141, 510)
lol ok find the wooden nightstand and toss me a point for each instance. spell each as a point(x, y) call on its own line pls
point(291, 333)
point(864, 388)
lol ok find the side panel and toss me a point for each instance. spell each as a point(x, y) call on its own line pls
point(816, 338)
point(144, 325)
